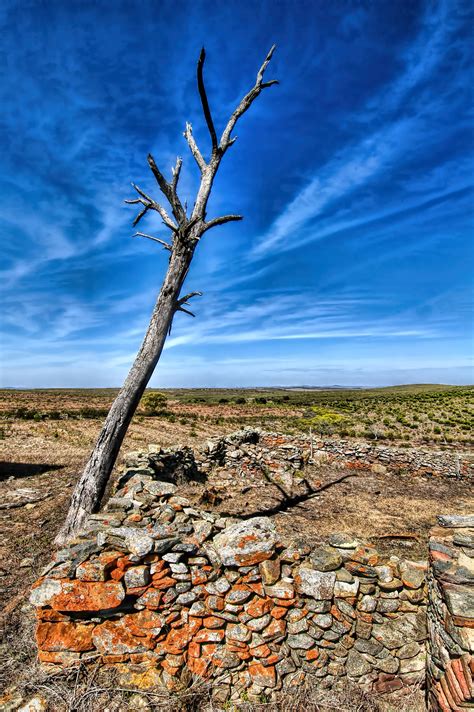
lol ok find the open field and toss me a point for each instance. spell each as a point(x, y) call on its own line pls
point(46, 435)
point(418, 414)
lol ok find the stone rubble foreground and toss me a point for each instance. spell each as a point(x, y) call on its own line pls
point(164, 591)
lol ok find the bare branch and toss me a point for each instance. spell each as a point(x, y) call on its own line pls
point(246, 102)
point(184, 300)
point(187, 297)
point(140, 215)
point(188, 135)
point(221, 221)
point(167, 189)
point(262, 69)
point(204, 101)
point(150, 204)
point(166, 245)
point(176, 174)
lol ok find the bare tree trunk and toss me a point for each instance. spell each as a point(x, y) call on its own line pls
point(186, 232)
point(91, 486)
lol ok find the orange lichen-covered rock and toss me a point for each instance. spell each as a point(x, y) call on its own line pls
point(68, 595)
point(97, 569)
point(56, 637)
point(116, 638)
point(259, 606)
point(246, 543)
point(264, 676)
point(144, 623)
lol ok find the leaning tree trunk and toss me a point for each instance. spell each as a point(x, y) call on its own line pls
point(91, 486)
point(186, 232)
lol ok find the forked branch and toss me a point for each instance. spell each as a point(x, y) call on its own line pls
point(150, 204)
point(246, 102)
point(185, 301)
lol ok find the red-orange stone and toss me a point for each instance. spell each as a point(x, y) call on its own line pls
point(261, 675)
point(56, 637)
point(88, 596)
point(259, 607)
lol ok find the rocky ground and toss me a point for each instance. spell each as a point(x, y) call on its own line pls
point(40, 462)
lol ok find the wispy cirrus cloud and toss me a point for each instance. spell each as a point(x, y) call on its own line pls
point(407, 127)
point(353, 177)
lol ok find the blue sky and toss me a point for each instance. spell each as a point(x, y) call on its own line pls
point(354, 263)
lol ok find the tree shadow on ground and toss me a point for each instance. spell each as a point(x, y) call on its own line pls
point(17, 470)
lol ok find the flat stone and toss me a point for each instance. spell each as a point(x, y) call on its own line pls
point(160, 489)
point(414, 664)
point(246, 543)
point(371, 647)
point(300, 641)
point(346, 590)
point(411, 575)
point(74, 595)
point(298, 626)
point(387, 605)
point(464, 539)
point(61, 636)
point(136, 577)
point(408, 651)
point(456, 521)
point(238, 632)
point(44, 591)
point(343, 541)
point(116, 638)
point(283, 589)
point(317, 584)
point(394, 633)
point(356, 664)
point(460, 601)
point(323, 620)
point(388, 664)
point(258, 624)
point(325, 558)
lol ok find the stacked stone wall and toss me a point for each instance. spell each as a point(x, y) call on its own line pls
point(451, 615)
point(164, 591)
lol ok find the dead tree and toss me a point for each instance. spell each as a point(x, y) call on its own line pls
point(186, 232)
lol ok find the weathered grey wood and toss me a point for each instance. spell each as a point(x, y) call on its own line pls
point(186, 233)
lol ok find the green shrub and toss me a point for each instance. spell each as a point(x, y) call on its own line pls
point(153, 402)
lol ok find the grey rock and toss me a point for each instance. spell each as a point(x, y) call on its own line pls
point(301, 641)
point(136, 577)
point(356, 664)
point(396, 632)
point(456, 521)
point(343, 541)
point(325, 558)
point(317, 584)
point(248, 542)
point(371, 647)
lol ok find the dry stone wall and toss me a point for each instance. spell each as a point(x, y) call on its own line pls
point(417, 460)
point(451, 615)
point(162, 590)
